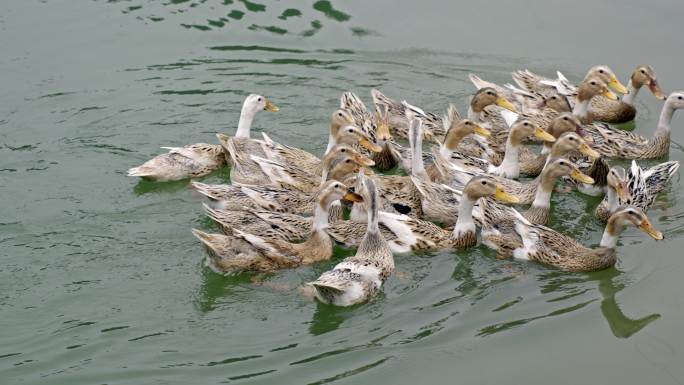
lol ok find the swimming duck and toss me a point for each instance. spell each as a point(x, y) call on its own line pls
point(544, 245)
point(621, 111)
point(638, 188)
point(358, 278)
point(615, 143)
point(540, 84)
point(244, 251)
point(416, 234)
point(197, 160)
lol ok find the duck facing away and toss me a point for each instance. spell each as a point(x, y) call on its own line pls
point(358, 278)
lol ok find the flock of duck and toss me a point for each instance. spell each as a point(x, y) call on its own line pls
point(285, 206)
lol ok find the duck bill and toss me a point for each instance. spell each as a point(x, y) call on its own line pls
point(622, 191)
point(647, 228)
point(503, 196)
point(609, 94)
point(543, 135)
point(655, 90)
point(352, 197)
point(503, 102)
point(581, 177)
point(364, 161)
point(616, 86)
point(482, 131)
point(383, 132)
point(271, 107)
point(588, 151)
point(370, 146)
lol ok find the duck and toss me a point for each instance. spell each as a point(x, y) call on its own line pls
point(525, 191)
point(536, 83)
point(544, 245)
point(613, 143)
point(638, 188)
point(359, 278)
point(200, 159)
point(244, 251)
point(589, 89)
point(623, 111)
point(433, 124)
point(511, 165)
point(416, 234)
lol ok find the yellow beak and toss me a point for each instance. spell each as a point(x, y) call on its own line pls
point(543, 135)
point(647, 228)
point(655, 90)
point(588, 151)
point(271, 107)
point(622, 191)
point(352, 197)
point(616, 86)
point(503, 196)
point(370, 146)
point(502, 102)
point(482, 131)
point(581, 177)
point(609, 94)
point(364, 161)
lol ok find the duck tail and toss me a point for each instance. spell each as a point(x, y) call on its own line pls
point(208, 242)
point(141, 171)
point(479, 83)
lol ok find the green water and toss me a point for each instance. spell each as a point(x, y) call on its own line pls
point(101, 281)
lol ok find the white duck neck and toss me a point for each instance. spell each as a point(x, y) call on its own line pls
point(510, 166)
point(581, 109)
point(474, 116)
point(610, 240)
point(631, 94)
point(245, 124)
point(465, 216)
point(611, 199)
point(321, 216)
point(665, 120)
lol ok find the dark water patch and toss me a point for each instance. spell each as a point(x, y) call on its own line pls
point(132, 8)
point(236, 15)
point(508, 304)
point(217, 23)
point(269, 28)
point(25, 147)
point(107, 330)
point(73, 347)
point(9, 355)
point(290, 12)
point(253, 7)
point(315, 27)
point(326, 7)
point(148, 336)
point(352, 372)
point(363, 32)
point(331, 353)
point(196, 26)
point(290, 346)
point(57, 94)
point(254, 48)
point(233, 359)
point(250, 375)
point(186, 92)
point(155, 19)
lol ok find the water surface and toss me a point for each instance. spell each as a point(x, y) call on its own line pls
point(102, 282)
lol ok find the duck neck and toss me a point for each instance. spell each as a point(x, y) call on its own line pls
point(632, 91)
point(610, 234)
point(665, 120)
point(510, 166)
point(474, 116)
point(581, 109)
point(611, 199)
point(372, 213)
point(320, 220)
point(245, 124)
point(417, 166)
point(464, 223)
point(542, 197)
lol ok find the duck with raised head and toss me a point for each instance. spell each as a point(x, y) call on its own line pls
point(245, 251)
point(358, 278)
point(614, 143)
point(622, 111)
point(544, 245)
point(540, 84)
point(638, 187)
point(200, 159)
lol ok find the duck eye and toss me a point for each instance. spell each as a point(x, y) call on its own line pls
point(489, 93)
point(600, 71)
point(468, 123)
point(643, 72)
point(525, 124)
point(339, 114)
point(554, 98)
point(337, 186)
point(565, 118)
point(343, 150)
point(593, 83)
point(484, 182)
point(259, 99)
point(571, 138)
point(347, 161)
point(350, 130)
point(562, 163)
point(679, 97)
